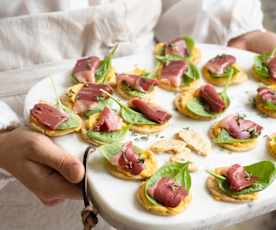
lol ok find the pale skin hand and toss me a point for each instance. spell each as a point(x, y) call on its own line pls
point(255, 41)
point(44, 168)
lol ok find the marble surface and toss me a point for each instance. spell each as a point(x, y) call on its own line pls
point(116, 197)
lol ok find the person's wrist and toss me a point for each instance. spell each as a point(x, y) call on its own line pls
point(241, 41)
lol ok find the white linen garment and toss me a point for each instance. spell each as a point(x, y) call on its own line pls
point(39, 37)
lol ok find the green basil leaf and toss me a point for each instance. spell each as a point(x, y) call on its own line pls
point(195, 106)
point(264, 171)
point(270, 105)
point(104, 67)
point(108, 137)
point(110, 150)
point(260, 66)
point(129, 115)
point(132, 92)
point(101, 104)
point(189, 43)
point(192, 74)
point(225, 138)
point(224, 96)
point(72, 122)
point(175, 170)
point(218, 177)
point(169, 58)
point(132, 117)
point(149, 75)
point(228, 72)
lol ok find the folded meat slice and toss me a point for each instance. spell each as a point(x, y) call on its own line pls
point(267, 94)
point(238, 178)
point(85, 69)
point(177, 47)
point(48, 115)
point(129, 161)
point(209, 96)
point(108, 121)
point(240, 128)
point(272, 67)
point(92, 91)
point(137, 82)
point(150, 111)
point(173, 72)
point(167, 192)
point(88, 97)
point(218, 64)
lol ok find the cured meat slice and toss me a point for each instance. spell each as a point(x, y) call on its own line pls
point(177, 47)
point(85, 69)
point(129, 160)
point(92, 91)
point(137, 82)
point(210, 97)
point(109, 121)
point(48, 115)
point(88, 97)
point(218, 64)
point(267, 94)
point(174, 71)
point(238, 178)
point(150, 111)
point(240, 128)
point(167, 192)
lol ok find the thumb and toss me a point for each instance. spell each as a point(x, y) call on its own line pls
point(239, 43)
point(48, 153)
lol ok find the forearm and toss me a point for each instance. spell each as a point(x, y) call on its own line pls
point(255, 41)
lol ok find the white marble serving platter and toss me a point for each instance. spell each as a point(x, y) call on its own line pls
point(116, 198)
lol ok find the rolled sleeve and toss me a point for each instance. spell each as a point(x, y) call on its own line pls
point(247, 16)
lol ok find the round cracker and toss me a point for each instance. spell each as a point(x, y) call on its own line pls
point(165, 84)
point(181, 101)
point(147, 129)
point(34, 124)
point(86, 139)
point(238, 78)
point(89, 124)
point(261, 107)
point(66, 101)
point(150, 168)
point(271, 145)
point(218, 195)
point(195, 55)
point(266, 81)
point(159, 209)
point(236, 147)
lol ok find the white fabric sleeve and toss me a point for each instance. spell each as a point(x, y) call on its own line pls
point(209, 21)
point(8, 118)
point(51, 37)
point(247, 16)
point(8, 121)
point(231, 18)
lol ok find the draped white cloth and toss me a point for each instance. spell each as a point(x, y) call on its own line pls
point(39, 37)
